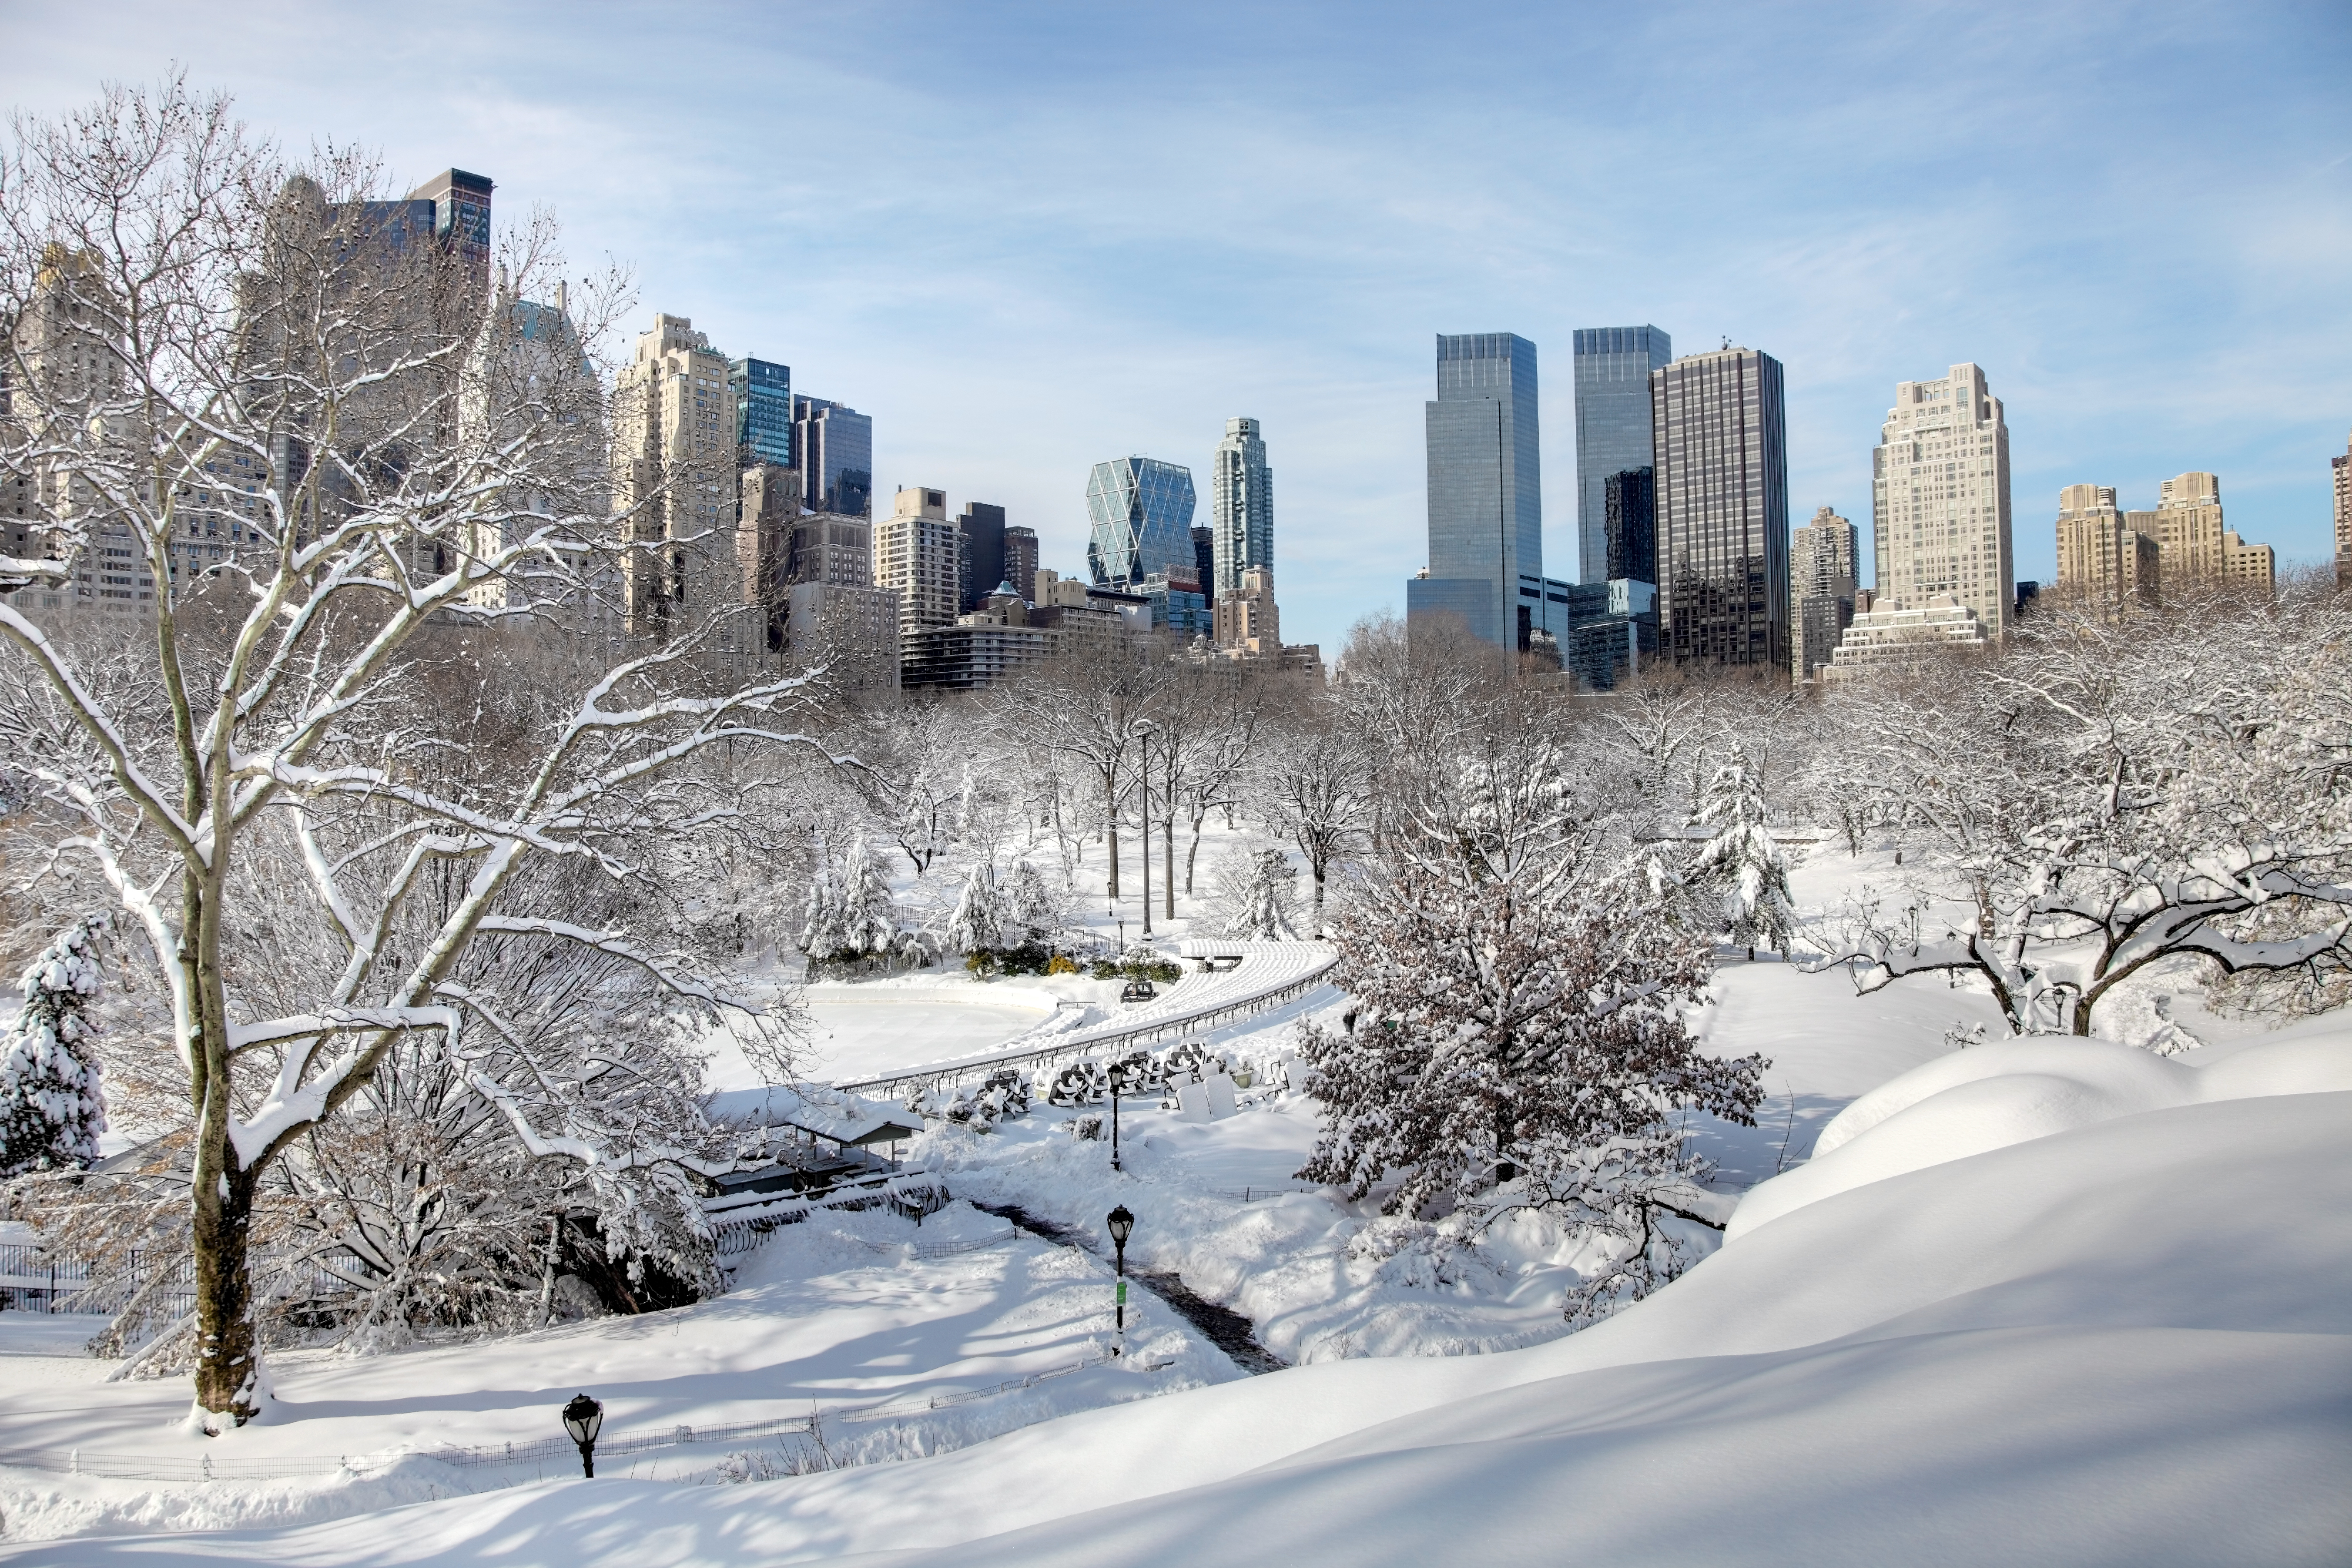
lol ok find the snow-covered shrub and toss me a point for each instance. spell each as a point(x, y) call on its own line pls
point(51, 1106)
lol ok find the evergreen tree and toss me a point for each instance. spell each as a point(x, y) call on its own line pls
point(871, 919)
point(51, 1109)
point(1031, 919)
point(1742, 864)
point(1262, 900)
point(978, 924)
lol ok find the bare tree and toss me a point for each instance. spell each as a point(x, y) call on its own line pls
point(324, 447)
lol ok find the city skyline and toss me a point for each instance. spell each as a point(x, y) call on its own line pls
point(1777, 210)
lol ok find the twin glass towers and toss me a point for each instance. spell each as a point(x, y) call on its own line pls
point(1682, 488)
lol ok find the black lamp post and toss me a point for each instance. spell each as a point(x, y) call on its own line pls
point(1122, 1226)
point(1114, 1116)
point(584, 1418)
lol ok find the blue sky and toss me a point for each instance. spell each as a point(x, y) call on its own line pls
point(1027, 237)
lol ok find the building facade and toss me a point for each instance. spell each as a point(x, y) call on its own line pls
point(2194, 540)
point(1719, 453)
point(1628, 511)
point(1613, 365)
point(919, 552)
point(2341, 467)
point(1140, 510)
point(1486, 490)
point(835, 446)
point(2100, 555)
point(674, 478)
point(1821, 589)
point(1021, 560)
point(852, 631)
point(1940, 501)
point(1242, 505)
point(1906, 641)
point(763, 412)
point(1249, 624)
point(982, 528)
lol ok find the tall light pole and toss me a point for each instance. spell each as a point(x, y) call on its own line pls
point(1121, 1225)
point(1143, 781)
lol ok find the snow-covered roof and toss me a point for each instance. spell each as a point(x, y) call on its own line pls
point(828, 1113)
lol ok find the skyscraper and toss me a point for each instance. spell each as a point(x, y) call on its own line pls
point(1242, 502)
point(1612, 428)
point(1629, 509)
point(1719, 446)
point(1021, 560)
point(2100, 555)
point(461, 218)
point(836, 444)
point(2197, 545)
point(2341, 467)
point(1821, 589)
point(1939, 499)
point(919, 552)
point(983, 527)
point(673, 443)
point(1141, 509)
point(1485, 492)
point(1204, 558)
point(763, 412)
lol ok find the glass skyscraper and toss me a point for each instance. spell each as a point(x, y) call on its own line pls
point(1141, 509)
point(1721, 456)
point(1243, 502)
point(764, 411)
point(836, 444)
point(1612, 425)
point(1486, 490)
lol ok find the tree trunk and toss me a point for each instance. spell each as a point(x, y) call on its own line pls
point(228, 1356)
point(1170, 817)
point(1110, 830)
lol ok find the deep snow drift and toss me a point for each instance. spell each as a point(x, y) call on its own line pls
point(2115, 1331)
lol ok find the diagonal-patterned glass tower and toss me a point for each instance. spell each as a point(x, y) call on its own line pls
point(1141, 509)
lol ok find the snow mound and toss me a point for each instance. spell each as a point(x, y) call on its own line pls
point(1990, 1096)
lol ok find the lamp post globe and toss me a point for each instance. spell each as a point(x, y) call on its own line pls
point(583, 1419)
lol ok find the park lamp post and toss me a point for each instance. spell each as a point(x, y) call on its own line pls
point(1121, 1225)
point(584, 1418)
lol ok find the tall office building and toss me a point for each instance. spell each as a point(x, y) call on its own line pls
point(674, 461)
point(982, 528)
point(835, 443)
point(1612, 429)
point(1939, 499)
point(1720, 449)
point(1141, 512)
point(1242, 502)
point(2342, 474)
point(919, 552)
point(2100, 555)
point(1629, 509)
point(1821, 589)
point(1021, 560)
point(1485, 492)
point(1204, 558)
point(763, 412)
point(461, 219)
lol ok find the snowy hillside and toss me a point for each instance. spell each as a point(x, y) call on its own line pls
point(2110, 1332)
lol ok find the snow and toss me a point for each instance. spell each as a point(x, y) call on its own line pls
point(2124, 1342)
point(2040, 1303)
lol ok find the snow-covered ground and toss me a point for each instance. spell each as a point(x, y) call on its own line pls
point(2053, 1303)
point(2123, 1341)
